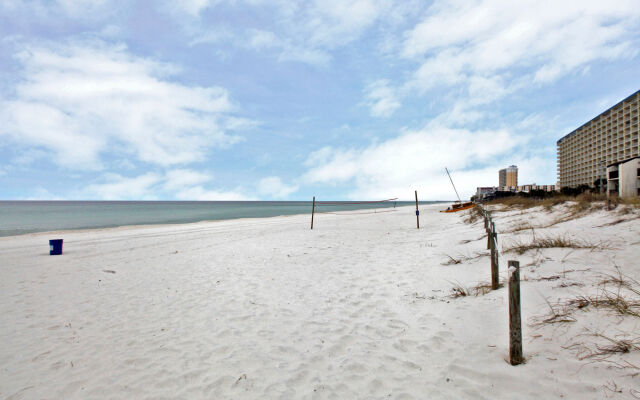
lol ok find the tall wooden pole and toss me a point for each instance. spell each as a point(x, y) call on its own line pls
point(417, 212)
point(515, 322)
point(493, 237)
point(313, 210)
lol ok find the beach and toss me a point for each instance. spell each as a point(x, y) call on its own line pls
point(360, 307)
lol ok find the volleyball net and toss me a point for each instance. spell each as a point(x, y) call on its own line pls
point(352, 207)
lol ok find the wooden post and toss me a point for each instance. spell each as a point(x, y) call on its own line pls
point(515, 321)
point(495, 280)
point(489, 232)
point(488, 227)
point(417, 212)
point(313, 210)
point(486, 220)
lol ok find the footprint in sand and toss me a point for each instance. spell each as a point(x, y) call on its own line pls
point(386, 330)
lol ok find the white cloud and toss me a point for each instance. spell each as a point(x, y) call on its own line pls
point(184, 178)
point(305, 55)
point(92, 97)
point(198, 193)
point(273, 187)
point(180, 184)
point(260, 39)
point(415, 160)
point(288, 51)
point(190, 7)
point(381, 99)
point(117, 187)
point(81, 7)
point(52, 11)
point(336, 22)
point(306, 31)
point(542, 39)
point(213, 35)
point(41, 193)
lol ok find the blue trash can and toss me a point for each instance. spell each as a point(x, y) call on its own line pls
point(55, 247)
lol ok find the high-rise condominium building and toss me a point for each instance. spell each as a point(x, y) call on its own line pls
point(609, 138)
point(508, 176)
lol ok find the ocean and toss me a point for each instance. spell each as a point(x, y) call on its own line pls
point(21, 217)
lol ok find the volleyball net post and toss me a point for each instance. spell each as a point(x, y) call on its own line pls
point(417, 212)
point(313, 210)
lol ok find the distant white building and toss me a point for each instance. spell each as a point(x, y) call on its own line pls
point(482, 192)
point(623, 178)
point(490, 191)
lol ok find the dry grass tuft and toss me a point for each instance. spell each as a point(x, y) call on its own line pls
point(625, 210)
point(605, 347)
point(548, 278)
point(614, 301)
point(521, 226)
point(559, 313)
point(474, 215)
point(617, 302)
point(460, 258)
point(582, 204)
point(452, 261)
point(624, 300)
point(619, 220)
point(632, 202)
point(613, 346)
point(618, 279)
point(521, 247)
point(459, 291)
point(480, 289)
point(569, 284)
point(617, 293)
point(528, 202)
point(484, 288)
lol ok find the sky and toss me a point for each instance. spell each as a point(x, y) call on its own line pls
point(285, 100)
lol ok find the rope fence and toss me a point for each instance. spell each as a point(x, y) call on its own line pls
point(515, 320)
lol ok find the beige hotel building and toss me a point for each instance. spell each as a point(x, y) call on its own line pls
point(508, 176)
point(610, 138)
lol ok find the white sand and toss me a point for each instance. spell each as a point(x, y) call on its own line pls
point(358, 308)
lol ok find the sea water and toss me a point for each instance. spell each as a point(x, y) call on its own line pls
point(20, 217)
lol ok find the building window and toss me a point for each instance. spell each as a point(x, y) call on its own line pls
point(613, 174)
point(638, 174)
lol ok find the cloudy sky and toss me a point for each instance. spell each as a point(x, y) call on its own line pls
point(287, 99)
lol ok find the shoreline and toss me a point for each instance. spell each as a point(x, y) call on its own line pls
point(117, 228)
point(149, 224)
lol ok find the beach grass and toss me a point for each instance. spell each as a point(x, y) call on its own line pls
point(547, 242)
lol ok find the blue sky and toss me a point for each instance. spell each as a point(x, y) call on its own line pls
point(274, 99)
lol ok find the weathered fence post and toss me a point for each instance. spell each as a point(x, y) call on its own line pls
point(515, 321)
point(313, 210)
point(486, 219)
point(489, 224)
point(417, 212)
point(493, 235)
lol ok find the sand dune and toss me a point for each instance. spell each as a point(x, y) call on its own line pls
point(358, 308)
